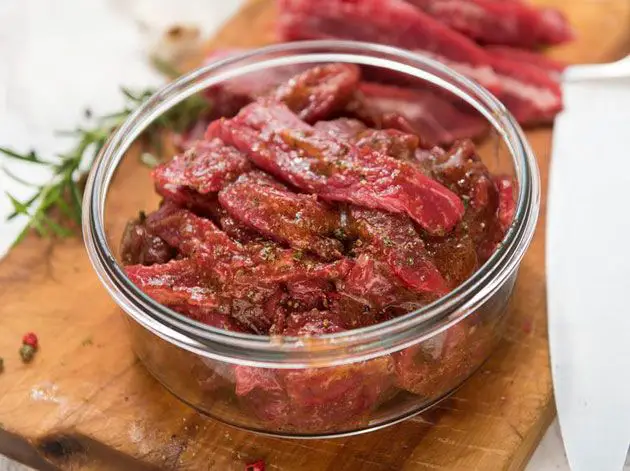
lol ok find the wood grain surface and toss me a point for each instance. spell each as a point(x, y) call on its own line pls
point(85, 403)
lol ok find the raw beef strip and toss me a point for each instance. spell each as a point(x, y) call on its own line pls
point(553, 67)
point(258, 201)
point(392, 22)
point(278, 142)
point(235, 229)
point(530, 93)
point(436, 120)
point(500, 22)
point(507, 200)
point(392, 142)
point(140, 246)
point(312, 94)
point(206, 167)
point(231, 95)
point(178, 285)
point(200, 239)
point(319, 91)
point(255, 295)
point(372, 286)
point(341, 128)
point(455, 256)
point(461, 170)
point(314, 399)
point(394, 239)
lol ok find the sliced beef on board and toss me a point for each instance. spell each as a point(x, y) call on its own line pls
point(530, 93)
point(393, 22)
point(499, 22)
point(551, 66)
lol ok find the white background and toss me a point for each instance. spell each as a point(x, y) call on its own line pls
point(59, 57)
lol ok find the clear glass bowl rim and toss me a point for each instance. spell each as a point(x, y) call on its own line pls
point(332, 349)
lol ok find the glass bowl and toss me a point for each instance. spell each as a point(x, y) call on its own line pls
point(336, 384)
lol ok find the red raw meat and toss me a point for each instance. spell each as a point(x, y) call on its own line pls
point(312, 323)
point(370, 283)
point(436, 120)
point(536, 59)
point(236, 230)
point(312, 94)
point(531, 94)
point(260, 202)
point(341, 128)
point(179, 285)
point(278, 142)
point(461, 170)
point(393, 238)
point(140, 246)
point(255, 294)
point(315, 399)
point(392, 22)
point(436, 366)
point(507, 201)
point(455, 256)
point(397, 144)
point(199, 238)
point(499, 22)
point(206, 167)
point(320, 91)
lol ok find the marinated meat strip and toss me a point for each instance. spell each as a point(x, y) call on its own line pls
point(179, 285)
point(394, 239)
point(235, 230)
point(507, 200)
point(281, 144)
point(199, 238)
point(206, 167)
point(260, 202)
point(316, 398)
point(341, 128)
point(255, 296)
point(499, 22)
point(370, 291)
point(313, 94)
point(230, 96)
point(461, 170)
point(140, 246)
point(397, 144)
point(454, 256)
point(392, 22)
point(432, 117)
point(319, 92)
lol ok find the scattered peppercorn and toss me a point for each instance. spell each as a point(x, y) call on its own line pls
point(27, 353)
point(1, 364)
point(257, 466)
point(31, 340)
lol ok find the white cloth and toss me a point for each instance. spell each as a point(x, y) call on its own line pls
point(59, 57)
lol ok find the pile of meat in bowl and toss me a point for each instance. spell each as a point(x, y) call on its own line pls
point(303, 211)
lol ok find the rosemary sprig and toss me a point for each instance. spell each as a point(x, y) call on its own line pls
point(62, 191)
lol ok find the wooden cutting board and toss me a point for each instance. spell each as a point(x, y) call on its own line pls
point(85, 403)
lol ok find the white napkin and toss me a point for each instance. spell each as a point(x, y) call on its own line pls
point(59, 58)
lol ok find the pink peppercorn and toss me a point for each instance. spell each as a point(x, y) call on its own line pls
point(30, 339)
